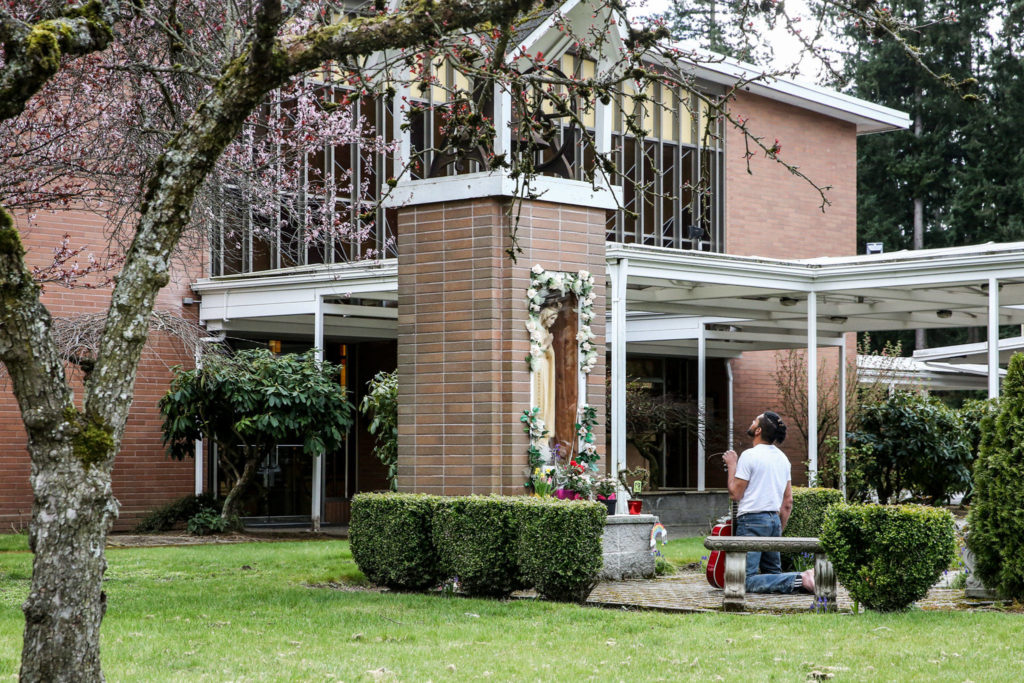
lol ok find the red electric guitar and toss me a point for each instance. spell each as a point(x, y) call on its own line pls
point(716, 561)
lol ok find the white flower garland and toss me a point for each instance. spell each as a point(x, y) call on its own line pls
point(582, 285)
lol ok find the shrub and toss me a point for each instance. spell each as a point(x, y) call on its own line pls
point(809, 505)
point(995, 523)
point(559, 547)
point(381, 404)
point(914, 442)
point(475, 540)
point(208, 521)
point(175, 512)
point(888, 556)
point(391, 539)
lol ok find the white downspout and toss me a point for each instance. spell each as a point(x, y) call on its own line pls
point(215, 339)
point(812, 388)
point(318, 461)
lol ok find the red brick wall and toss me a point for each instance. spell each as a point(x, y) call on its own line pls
point(463, 379)
point(776, 214)
point(143, 476)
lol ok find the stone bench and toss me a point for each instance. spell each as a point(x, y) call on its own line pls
point(736, 549)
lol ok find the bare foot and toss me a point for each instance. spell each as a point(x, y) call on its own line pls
point(807, 579)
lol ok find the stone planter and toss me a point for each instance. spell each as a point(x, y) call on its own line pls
point(627, 547)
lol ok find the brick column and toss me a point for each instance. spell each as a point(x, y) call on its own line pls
point(462, 341)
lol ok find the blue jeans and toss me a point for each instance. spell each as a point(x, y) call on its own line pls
point(764, 570)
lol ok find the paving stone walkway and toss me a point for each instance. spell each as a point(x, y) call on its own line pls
point(690, 592)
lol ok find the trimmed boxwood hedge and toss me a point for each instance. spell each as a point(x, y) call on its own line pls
point(888, 556)
point(390, 536)
point(559, 547)
point(475, 539)
point(493, 545)
point(809, 505)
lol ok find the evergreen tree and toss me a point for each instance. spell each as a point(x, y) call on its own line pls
point(934, 161)
point(995, 523)
point(954, 177)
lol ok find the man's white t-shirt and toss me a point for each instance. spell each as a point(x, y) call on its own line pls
point(766, 470)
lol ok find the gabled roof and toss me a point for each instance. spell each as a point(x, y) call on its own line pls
point(867, 116)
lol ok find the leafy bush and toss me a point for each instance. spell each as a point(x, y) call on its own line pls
point(249, 403)
point(995, 523)
point(475, 540)
point(176, 512)
point(559, 547)
point(391, 539)
point(809, 505)
point(381, 402)
point(888, 557)
point(914, 442)
point(208, 521)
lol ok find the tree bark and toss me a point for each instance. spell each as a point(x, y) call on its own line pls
point(73, 511)
point(231, 509)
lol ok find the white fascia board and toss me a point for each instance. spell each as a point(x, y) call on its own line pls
point(925, 267)
point(710, 268)
point(868, 116)
point(500, 184)
point(380, 275)
point(970, 352)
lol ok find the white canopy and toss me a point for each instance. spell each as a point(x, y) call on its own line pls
point(667, 301)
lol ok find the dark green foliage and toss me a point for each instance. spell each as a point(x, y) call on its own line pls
point(175, 512)
point(493, 545)
point(996, 520)
point(913, 442)
point(809, 505)
point(888, 557)
point(381, 403)
point(250, 402)
point(559, 547)
point(391, 538)
point(475, 539)
point(208, 521)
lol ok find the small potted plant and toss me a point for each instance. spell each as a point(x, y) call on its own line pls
point(604, 489)
point(635, 481)
point(543, 481)
point(576, 481)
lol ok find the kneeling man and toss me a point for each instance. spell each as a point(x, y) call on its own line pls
point(762, 483)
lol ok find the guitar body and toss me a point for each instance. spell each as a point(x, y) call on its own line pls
point(716, 561)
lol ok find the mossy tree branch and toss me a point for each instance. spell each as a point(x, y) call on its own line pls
point(34, 51)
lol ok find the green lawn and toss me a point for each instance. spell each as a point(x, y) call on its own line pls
point(13, 542)
point(685, 551)
point(246, 612)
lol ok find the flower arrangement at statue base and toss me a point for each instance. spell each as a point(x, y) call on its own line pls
point(569, 479)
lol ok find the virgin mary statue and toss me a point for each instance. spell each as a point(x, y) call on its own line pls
point(544, 371)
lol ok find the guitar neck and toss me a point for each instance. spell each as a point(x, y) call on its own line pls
point(733, 506)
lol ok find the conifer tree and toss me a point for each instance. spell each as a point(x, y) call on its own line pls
point(995, 523)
